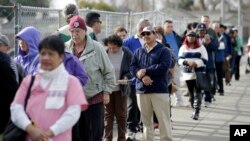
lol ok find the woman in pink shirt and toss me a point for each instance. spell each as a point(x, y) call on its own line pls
point(56, 99)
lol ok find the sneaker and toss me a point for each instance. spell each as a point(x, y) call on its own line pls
point(131, 136)
point(207, 104)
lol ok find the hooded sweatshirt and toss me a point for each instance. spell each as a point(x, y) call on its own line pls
point(29, 61)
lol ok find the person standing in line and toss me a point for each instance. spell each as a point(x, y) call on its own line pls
point(28, 56)
point(93, 21)
point(211, 46)
point(8, 87)
point(193, 57)
point(133, 116)
point(239, 52)
point(17, 68)
point(121, 59)
point(150, 66)
point(175, 43)
point(56, 97)
point(121, 32)
point(101, 78)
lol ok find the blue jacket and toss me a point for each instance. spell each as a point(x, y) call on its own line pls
point(228, 50)
point(156, 63)
point(32, 37)
point(220, 53)
point(132, 43)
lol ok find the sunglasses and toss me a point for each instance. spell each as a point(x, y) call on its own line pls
point(146, 33)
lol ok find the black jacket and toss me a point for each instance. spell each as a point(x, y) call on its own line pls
point(125, 69)
point(8, 87)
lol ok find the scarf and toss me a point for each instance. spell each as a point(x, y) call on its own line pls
point(57, 80)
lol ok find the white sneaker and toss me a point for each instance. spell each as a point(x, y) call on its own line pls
point(131, 136)
point(207, 104)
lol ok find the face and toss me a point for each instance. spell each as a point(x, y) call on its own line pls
point(113, 48)
point(202, 33)
point(122, 34)
point(216, 27)
point(205, 20)
point(23, 46)
point(77, 35)
point(4, 48)
point(168, 28)
point(50, 59)
point(191, 38)
point(97, 27)
point(149, 37)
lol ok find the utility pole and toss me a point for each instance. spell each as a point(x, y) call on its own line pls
point(239, 19)
point(222, 11)
point(142, 5)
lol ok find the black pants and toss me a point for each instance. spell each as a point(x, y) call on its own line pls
point(133, 114)
point(91, 123)
point(220, 73)
point(195, 97)
point(237, 67)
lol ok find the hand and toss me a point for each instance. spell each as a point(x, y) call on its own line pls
point(105, 98)
point(206, 41)
point(228, 57)
point(147, 80)
point(35, 133)
point(49, 134)
point(192, 65)
point(141, 73)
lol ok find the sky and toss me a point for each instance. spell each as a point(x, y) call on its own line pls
point(60, 4)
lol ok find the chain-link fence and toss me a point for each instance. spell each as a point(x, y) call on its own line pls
point(48, 20)
point(7, 22)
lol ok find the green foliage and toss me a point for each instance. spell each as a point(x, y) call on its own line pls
point(186, 4)
point(94, 5)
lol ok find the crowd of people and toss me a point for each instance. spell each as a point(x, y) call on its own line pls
point(83, 84)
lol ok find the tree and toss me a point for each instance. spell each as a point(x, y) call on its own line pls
point(94, 5)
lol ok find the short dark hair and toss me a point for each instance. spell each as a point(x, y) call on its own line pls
point(52, 42)
point(168, 21)
point(91, 18)
point(114, 39)
point(205, 16)
point(120, 29)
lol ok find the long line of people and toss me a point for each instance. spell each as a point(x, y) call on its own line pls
point(81, 87)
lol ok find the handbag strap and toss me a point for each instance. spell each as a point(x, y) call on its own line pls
point(29, 90)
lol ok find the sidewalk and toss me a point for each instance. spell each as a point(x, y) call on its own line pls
point(213, 124)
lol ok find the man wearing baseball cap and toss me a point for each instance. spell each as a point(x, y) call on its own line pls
point(101, 78)
point(150, 65)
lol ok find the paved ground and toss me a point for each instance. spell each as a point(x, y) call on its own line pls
point(213, 124)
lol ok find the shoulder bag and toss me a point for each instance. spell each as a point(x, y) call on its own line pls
point(11, 131)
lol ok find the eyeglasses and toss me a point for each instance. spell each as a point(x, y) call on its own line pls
point(146, 33)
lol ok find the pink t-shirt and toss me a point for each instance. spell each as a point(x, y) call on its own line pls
point(45, 118)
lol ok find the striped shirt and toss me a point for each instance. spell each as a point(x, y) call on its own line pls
point(197, 55)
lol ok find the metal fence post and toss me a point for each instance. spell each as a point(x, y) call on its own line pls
point(59, 20)
point(17, 25)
